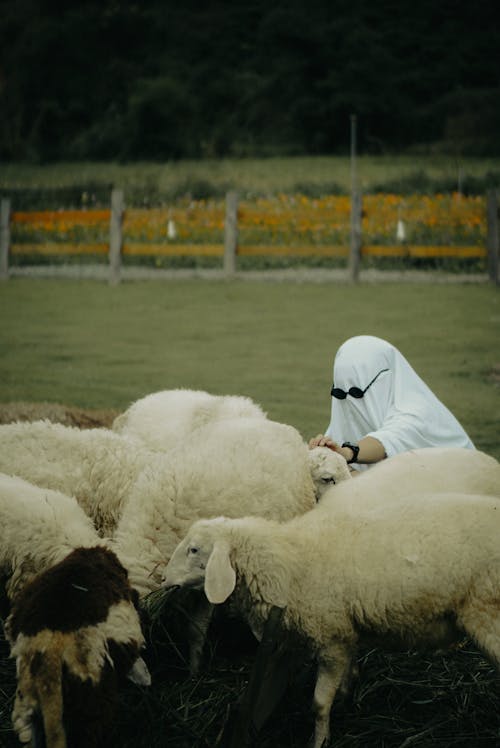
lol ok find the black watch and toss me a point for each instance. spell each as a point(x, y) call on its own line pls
point(355, 451)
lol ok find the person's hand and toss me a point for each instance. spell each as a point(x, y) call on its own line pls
point(323, 441)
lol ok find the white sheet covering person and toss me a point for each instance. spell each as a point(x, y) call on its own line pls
point(381, 407)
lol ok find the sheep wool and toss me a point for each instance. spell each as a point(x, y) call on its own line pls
point(245, 466)
point(327, 469)
point(96, 466)
point(424, 569)
point(438, 469)
point(162, 420)
point(146, 500)
point(73, 625)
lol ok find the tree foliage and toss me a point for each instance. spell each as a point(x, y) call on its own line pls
point(158, 79)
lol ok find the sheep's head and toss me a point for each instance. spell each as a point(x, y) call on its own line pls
point(202, 561)
point(327, 468)
point(76, 634)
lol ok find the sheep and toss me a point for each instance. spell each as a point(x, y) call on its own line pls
point(73, 624)
point(423, 570)
point(235, 467)
point(96, 466)
point(145, 500)
point(436, 469)
point(327, 468)
point(164, 419)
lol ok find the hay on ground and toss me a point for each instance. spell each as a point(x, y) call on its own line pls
point(68, 415)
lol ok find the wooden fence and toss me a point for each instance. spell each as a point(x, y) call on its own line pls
point(116, 246)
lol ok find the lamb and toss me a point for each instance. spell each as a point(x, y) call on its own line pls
point(73, 625)
point(422, 570)
point(163, 420)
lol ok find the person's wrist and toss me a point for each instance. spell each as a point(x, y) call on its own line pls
point(350, 453)
point(347, 453)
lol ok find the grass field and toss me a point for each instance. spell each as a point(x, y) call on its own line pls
point(146, 182)
point(91, 345)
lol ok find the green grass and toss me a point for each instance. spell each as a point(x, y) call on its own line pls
point(91, 345)
point(153, 182)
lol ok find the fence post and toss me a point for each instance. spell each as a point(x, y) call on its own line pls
point(116, 236)
point(492, 240)
point(231, 233)
point(355, 253)
point(4, 238)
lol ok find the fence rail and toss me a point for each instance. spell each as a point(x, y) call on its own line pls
point(119, 233)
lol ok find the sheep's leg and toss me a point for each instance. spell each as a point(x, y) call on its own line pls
point(333, 668)
point(351, 675)
point(198, 628)
point(482, 624)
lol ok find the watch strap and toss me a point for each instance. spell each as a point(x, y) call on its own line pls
point(355, 451)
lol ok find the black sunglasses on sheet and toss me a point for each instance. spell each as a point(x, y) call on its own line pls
point(353, 391)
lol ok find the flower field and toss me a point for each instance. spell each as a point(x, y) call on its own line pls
point(293, 225)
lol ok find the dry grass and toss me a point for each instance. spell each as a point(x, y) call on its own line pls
point(445, 699)
point(57, 413)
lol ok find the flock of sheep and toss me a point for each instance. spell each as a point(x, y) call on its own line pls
point(189, 489)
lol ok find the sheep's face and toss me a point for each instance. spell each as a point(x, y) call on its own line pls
point(327, 468)
point(188, 562)
point(76, 634)
point(202, 561)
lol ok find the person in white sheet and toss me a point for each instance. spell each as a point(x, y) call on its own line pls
point(381, 407)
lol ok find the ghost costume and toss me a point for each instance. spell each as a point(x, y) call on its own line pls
point(398, 408)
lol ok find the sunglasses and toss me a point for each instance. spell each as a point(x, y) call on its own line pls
point(354, 391)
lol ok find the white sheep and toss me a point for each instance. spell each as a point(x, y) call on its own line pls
point(73, 618)
point(425, 570)
point(163, 420)
point(243, 466)
point(249, 469)
point(438, 469)
point(148, 500)
point(328, 468)
point(96, 466)
point(169, 418)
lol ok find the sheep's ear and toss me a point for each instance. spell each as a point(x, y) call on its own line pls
point(139, 673)
point(220, 577)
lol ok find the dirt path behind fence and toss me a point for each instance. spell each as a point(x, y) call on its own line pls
point(289, 275)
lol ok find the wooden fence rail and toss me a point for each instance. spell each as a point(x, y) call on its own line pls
point(74, 224)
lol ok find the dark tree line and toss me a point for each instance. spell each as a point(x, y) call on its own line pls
point(158, 79)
